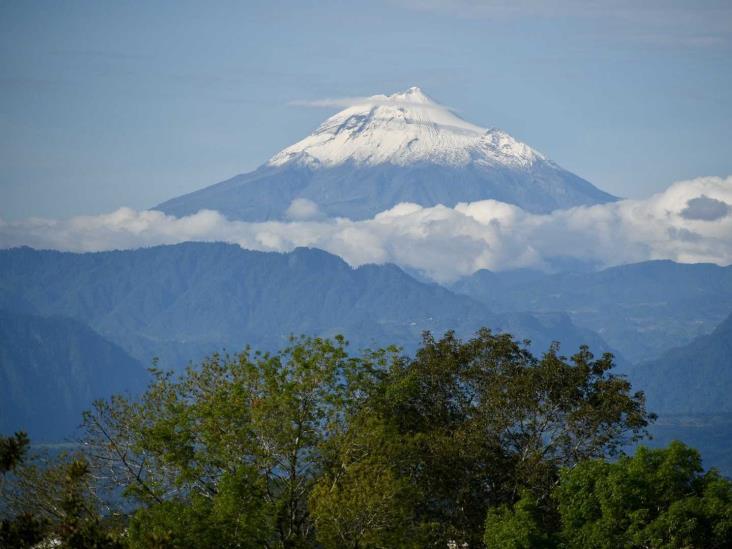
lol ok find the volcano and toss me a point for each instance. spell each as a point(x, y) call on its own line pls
point(386, 150)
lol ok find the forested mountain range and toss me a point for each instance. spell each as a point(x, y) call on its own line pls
point(182, 302)
point(692, 379)
point(641, 309)
point(70, 318)
point(52, 368)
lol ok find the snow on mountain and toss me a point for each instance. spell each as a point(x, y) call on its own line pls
point(385, 150)
point(401, 129)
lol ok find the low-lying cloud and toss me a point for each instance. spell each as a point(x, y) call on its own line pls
point(302, 209)
point(685, 223)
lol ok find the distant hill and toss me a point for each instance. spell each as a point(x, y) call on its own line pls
point(184, 301)
point(51, 369)
point(641, 309)
point(690, 387)
point(694, 379)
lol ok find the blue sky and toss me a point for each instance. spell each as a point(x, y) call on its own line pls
point(128, 103)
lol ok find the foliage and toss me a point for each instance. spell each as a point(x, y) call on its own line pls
point(236, 516)
point(12, 451)
point(467, 442)
point(519, 527)
point(22, 531)
point(238, 439)
point(55, 500)
point(475, 423)
point(359, 500)
point(657, 498)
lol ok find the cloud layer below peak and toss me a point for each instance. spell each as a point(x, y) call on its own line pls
point(689, 222)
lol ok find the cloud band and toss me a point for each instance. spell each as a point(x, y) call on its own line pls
point(441, 242)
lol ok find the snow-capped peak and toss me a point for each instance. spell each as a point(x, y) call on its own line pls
point(404, 128)
point(412, 95)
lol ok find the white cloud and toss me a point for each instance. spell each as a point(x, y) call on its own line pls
point(371, 101)
point(302, 209)
point(332, 102)
point(444, 243)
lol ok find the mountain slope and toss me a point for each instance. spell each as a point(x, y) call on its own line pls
point(181, 302)
point(693, 379)
point(641, 309)
point(51, 369)
point(386, 150)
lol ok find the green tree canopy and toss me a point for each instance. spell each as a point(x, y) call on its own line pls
point(313, 447)
point(55, 499)
point(12, 451)
point(468, 425)
point(658, 498)
point(230, 451)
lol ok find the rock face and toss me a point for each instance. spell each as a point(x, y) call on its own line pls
point(390, 149)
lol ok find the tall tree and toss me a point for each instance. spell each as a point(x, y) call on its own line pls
point(656, 498)
point(12, 451)
point(240, 436)
point(55, 499)
point(659, 498)
point(475, 423)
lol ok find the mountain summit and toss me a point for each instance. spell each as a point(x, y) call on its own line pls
point(383, 150)
point(402, 129)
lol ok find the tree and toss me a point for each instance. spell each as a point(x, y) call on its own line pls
point(236, 516)
point(312, 446)
point(517, 527)
point(55, 499)
point(475, 424)
point(657, 498)
point(358, 500)
point(362, 509)
point(23, 529)
point(237, 442)
point(13, 450)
